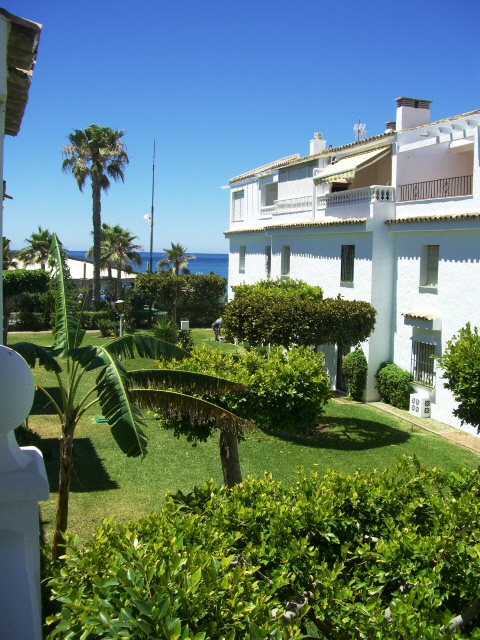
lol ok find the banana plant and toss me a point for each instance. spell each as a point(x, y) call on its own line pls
point(120, 394)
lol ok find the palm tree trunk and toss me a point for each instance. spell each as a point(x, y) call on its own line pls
point(232, 473)
point(61, 516)
point(97, 229)
point(119, 280)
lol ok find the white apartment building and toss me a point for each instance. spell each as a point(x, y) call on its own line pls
point(392, 219)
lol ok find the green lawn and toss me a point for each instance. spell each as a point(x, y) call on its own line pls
point(105, 483)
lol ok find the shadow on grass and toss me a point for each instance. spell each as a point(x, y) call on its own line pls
point(88, 472)
point(346, 434)
point(42, 405)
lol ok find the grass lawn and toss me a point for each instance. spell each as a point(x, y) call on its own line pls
point(105, 482)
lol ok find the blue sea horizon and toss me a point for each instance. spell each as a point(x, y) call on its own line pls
point(204, 263)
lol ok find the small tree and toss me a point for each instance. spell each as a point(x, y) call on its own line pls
point(119, 397)
point(38, 249)
point(461, 365)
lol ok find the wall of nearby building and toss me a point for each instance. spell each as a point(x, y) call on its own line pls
point(454, 301)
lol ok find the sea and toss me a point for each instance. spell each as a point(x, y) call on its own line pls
point(203, 263)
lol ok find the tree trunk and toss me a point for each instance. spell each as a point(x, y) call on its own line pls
point(119, 281)
point(97, 238)
point(232, 473)
point(61, 517)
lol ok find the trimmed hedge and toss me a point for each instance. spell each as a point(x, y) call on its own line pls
point(355, 369)
point(394, 385)
point(384, 555)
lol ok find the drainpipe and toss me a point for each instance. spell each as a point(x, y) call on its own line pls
point(4, 29)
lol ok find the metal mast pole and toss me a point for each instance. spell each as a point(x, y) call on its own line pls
point(152, 209)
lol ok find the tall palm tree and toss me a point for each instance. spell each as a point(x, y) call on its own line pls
point(118, 392)
point(9, 256)
point(176, 259)
point(117, 250)
point(38, 250)
point(99, 154)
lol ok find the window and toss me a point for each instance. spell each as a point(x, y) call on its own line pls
point(285, 268)
point(268, 261)
point(429, 265)
point(347, 262)
point(271, 194)
point(423, 363)
point(237, 205)
point(241, 259)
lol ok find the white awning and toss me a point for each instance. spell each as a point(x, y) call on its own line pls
point(346, 168)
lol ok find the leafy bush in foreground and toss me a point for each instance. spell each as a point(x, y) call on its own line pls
point(394, 385)
point(392, 554)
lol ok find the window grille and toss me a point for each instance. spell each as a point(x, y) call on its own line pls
point(347, 262)
point(423, 363)
point(268, 260)
point(285, 269)
point(241, 259)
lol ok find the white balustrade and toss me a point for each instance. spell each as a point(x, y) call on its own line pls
point(352, 196)
point(291, 205)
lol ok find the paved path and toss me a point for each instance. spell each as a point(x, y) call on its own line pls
point(434, 426)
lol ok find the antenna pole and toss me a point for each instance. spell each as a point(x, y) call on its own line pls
point(152, 209)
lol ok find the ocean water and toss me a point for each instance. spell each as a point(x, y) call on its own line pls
point(203, 263)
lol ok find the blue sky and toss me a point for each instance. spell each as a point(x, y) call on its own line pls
point(223, 87)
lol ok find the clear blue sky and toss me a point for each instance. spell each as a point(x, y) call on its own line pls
point(223, 86)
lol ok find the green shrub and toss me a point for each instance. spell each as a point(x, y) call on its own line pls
point(284, 390)
point(355, 368)
point(165, 329)
point(388, 554)
point(394, 385)
point(185, 340)
point(108, 328)
point(91, 319)
point(28, 321)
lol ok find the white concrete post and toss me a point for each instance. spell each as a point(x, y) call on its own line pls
point(23, 482)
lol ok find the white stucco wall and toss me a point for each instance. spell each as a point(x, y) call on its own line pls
point(456, 300)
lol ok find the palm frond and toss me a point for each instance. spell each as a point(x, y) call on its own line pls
point(124, 418)
point(187, 381)
point(144, 346)
point(67, 332)
point(32, 352)
point(177, 404)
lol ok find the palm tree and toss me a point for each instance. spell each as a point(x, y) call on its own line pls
point(117, 391)
point(99, 154)
point(9, 256)
point(38, 250)
point(176, 259)
point(117, 250)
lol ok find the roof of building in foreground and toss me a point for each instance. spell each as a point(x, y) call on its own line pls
point(22, 48)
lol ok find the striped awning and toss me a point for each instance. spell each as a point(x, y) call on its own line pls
point(345, 168)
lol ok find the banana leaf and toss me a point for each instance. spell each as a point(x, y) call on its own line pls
point(32, 352)
point(185, 380)
point(144, 346)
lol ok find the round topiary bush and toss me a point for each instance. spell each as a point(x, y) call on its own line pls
point(394, 385)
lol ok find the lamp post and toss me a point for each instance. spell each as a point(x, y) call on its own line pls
point(120, 306)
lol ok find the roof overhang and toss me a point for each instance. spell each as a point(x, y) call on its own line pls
point(346, 168)
point(22, 38)
point(423, 320)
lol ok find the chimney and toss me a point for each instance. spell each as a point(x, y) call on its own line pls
point(318, 144)
point(390, 126)
point(412, 112)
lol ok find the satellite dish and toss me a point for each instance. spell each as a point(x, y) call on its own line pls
point(360, 131)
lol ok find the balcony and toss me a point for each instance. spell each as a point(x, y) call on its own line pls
point(290, 205)
point(431, 189)
point(352, 196)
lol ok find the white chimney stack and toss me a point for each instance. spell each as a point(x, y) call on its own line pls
point(318, 144)
point(412, 112)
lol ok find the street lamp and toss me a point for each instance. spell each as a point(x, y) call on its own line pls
point(120, 306)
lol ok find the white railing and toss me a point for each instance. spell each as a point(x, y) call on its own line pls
point(266, 212)
point(352, 196)
point(291, 205)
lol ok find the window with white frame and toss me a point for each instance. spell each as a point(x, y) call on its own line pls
point(347, 263)
point(268, 261)
point(241, 259)
point(429, 265)
point(422, 365)
point(285, 264)
point(237, 206)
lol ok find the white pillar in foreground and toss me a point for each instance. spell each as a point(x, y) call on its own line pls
point(23, 482)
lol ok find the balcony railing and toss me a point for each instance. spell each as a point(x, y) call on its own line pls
point(352, 196)
point(291, 205)
point(442, 188)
